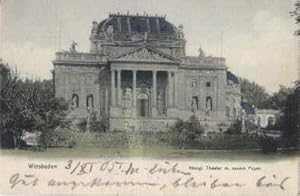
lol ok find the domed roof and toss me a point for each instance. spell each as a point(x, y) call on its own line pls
point(137, 23)
point(249, 109)
point(230, 76)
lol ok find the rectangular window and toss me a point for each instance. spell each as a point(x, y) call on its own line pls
point(194, 83)
point(208, 84)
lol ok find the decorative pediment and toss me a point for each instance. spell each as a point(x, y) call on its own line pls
point(145, 54)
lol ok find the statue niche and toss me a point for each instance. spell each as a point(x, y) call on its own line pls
point(75, 101)
point(90, 102)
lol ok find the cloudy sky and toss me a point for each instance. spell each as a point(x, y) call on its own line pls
point(256, 35)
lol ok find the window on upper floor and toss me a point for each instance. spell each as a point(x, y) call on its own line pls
point(194, 83)
point(208, 84)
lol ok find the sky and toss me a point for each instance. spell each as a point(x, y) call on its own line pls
point(255, 36)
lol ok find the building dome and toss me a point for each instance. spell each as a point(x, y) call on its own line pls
point(137, 24)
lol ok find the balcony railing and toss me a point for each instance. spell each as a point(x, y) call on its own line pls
point(77, 56)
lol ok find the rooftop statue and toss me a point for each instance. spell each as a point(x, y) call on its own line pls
point(73, 47)
point(201, 52)
point(94, 28)
point(180, 33)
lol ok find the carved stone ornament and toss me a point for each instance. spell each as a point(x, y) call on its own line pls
point(146, 55)
point(109, 30)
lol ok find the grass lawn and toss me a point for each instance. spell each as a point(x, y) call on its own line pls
point(145, 145)
point(159, 152)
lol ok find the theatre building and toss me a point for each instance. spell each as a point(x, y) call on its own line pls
point(137, 75)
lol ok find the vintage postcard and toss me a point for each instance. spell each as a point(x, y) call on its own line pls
point(149, 97)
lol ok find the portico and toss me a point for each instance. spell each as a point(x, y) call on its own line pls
point(142, 92)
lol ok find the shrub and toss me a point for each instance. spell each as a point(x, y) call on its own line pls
point(184, 133)
point(82, 125)
point(268, 144)
point(58, 138)
point(235, 128)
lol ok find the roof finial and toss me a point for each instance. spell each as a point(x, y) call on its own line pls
point(201, 52)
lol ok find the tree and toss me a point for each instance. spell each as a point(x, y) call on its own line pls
point(28, 105)
point(292, 114)
point(254, 94)
point(12, 117)
point(278, 99)
point(296, 13)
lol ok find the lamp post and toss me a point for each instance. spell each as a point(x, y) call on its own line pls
point(243, 121)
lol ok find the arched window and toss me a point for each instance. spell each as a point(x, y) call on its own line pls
point(195, 104)
point(75, 100)
point(270, 121)
point(209, 103)
point(89, 101)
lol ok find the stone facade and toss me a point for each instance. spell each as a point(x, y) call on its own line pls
point(138, 75)
point(266, 117)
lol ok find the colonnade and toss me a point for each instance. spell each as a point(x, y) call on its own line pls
point(116, 93)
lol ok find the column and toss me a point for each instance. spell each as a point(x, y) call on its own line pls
point(113, 91)
point(119, 95)
point(106, 101)
point(154, 98)
point(170, 94)
point(134, 88)
point(67, 87)
point(175, 90)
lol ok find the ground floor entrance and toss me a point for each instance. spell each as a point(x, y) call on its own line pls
point(142, 105)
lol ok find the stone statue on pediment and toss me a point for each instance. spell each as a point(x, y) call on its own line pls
point(156, 56)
